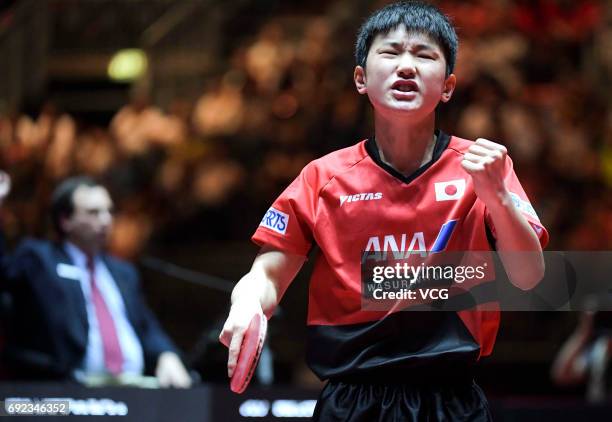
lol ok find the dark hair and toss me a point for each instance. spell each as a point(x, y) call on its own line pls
point(62, 205)
point(417, 17)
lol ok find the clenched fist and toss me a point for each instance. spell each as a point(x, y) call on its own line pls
point(485, 162)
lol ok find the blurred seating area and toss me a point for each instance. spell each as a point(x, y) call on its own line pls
point(203, 166)
point(532, 75)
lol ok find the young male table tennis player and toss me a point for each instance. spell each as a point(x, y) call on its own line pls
point(409, 179)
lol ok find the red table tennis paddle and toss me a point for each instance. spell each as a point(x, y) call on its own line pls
point(250, 350)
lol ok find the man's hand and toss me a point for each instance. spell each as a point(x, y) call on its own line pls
point(170, 371)
point(485, 162)
point(235, 326)
point(5, 185)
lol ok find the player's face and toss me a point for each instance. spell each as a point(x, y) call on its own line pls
point(91, 220)
point(405, 72)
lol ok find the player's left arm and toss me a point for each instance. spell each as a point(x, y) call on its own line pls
point(485, 162)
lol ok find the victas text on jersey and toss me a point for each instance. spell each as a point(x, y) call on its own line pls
point(367, 196)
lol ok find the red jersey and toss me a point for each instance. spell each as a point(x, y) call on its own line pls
point(348, 202)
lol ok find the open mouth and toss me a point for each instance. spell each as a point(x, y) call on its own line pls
point(405, 86)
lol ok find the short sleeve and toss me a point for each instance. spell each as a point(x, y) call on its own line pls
point(288, 224)
point(521, 202)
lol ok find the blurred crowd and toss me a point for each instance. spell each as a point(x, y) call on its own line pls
point(533, 75)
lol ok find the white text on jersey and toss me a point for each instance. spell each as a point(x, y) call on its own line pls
point(390, 243)
point(368, 196)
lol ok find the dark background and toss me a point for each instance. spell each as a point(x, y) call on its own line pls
point(239, 95)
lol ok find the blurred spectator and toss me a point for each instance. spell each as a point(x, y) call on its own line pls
point(269, 57)
point(96, 153)
point(138, 126)
point(278, 99)
point(220, 111)
point(76, 311)
point(59, 157)
point(585, 356)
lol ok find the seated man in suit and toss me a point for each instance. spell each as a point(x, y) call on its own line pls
point(76, 310)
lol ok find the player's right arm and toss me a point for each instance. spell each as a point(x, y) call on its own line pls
point(260, 290)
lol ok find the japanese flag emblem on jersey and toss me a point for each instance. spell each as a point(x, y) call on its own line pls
point(450, 191)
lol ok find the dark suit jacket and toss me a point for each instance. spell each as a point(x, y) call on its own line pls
point(47, 327)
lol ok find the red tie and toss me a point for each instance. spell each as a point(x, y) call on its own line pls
point(113, 357)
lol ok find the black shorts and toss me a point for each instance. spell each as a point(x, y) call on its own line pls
point(348, 401)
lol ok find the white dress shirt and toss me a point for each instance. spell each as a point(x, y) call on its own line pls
point(93, 363)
